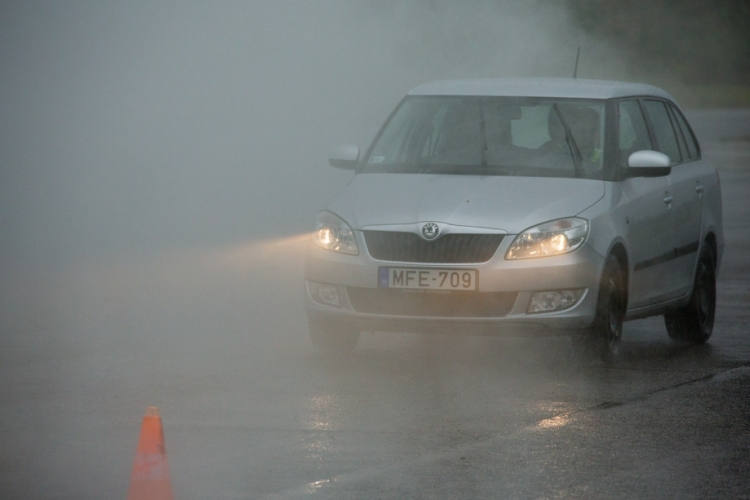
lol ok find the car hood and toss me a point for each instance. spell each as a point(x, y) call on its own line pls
point(504, 203)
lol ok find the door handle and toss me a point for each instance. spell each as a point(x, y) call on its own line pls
point(699, 188)
point(668, 198)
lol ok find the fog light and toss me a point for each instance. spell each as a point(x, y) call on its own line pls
point(554, 300)
point(324, 294)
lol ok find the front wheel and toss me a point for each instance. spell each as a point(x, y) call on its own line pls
point(695, 322)
point(602, 340)
point(332, 337)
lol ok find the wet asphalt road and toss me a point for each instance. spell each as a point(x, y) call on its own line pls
point(216, 339)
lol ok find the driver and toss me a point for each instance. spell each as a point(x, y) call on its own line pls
point(584, 126)
point(557, 142)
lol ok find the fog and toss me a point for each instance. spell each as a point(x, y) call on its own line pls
point(161, 164)
point(143, 126)
point(131, 133)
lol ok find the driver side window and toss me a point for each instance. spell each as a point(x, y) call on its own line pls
point(663, 131)
point(633, 131)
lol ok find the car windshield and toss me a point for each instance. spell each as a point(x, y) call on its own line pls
point(491, 136)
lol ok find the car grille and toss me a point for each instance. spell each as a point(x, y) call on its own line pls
point(428, 303)
point(450, 249)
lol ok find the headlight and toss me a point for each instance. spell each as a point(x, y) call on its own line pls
point(332, 233)
point(551, 238)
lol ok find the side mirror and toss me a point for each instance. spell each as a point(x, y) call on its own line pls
point(345, 157)
point(648, 163)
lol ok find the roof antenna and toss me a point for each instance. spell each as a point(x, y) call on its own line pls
point(575, 70)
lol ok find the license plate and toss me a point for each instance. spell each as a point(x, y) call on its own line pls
point(427, 279)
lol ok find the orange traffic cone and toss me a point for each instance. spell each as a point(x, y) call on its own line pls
point(150, 478)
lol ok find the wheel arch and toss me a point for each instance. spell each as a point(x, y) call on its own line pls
point(619, 252)
point(710, 240)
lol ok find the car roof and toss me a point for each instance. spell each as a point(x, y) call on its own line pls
point(539, 87)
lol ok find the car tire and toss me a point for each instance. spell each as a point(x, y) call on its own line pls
point(695, 322)
point(331, 337)
point(602, 340)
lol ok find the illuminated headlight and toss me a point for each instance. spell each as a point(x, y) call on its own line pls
point(551, 238)
point(324, 294)
point(553, 300)
point(332, 233)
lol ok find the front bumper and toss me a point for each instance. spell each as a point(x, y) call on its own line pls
point(499, 306)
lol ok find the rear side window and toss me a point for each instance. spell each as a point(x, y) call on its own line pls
point(663, 131)
point(633, 131)
point(692, 146)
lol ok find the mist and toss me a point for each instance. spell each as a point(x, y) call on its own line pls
point(141, 142)
point(143, 127)
point(161, 166)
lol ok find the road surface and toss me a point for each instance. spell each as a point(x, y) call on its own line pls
point(216, 338)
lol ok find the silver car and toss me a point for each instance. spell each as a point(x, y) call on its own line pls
point(498, 206)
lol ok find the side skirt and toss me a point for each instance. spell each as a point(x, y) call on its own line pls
point(657, 309)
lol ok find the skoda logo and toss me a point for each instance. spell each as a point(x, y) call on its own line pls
point(430, 231)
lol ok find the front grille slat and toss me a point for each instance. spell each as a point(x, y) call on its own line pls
point(450, 249)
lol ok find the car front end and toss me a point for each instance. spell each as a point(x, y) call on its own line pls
point(463, 216)
point(415, 263)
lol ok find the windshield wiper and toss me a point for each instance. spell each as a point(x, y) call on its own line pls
point(577, 159)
